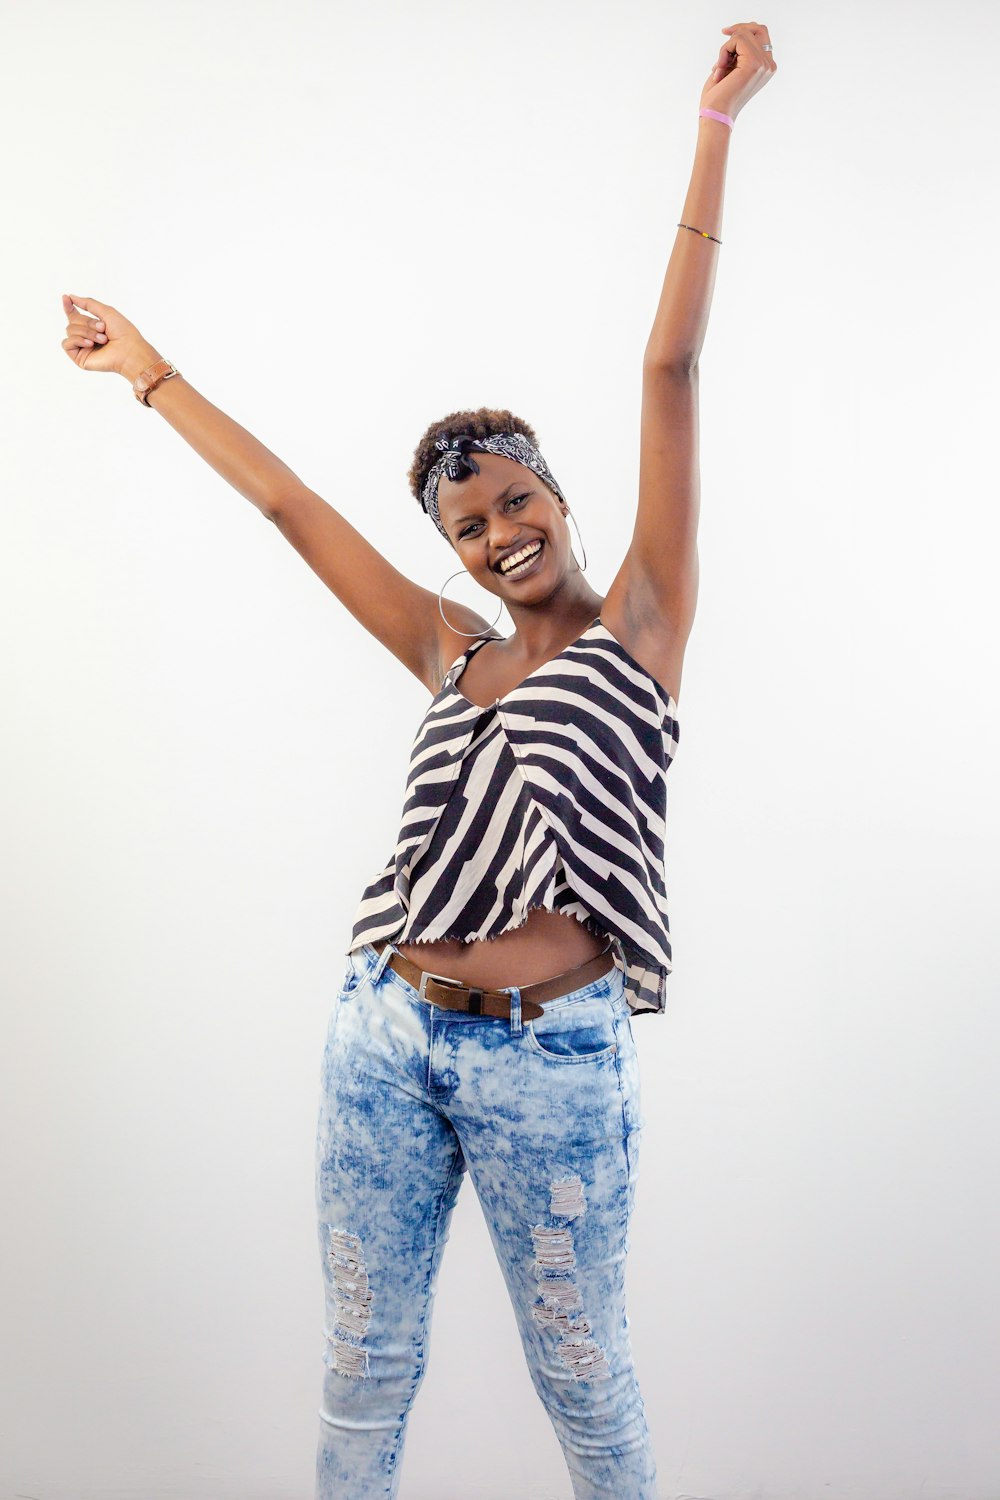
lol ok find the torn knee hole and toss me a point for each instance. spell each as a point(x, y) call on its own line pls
point(346, 1359)
point(566, 1198)
point(553, 1249)
point(585, 1359)
point(353, 1299)
point(558, 1295)
point(561, 1296)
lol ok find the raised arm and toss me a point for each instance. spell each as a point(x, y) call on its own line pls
point(651, 603)
point(398, 612)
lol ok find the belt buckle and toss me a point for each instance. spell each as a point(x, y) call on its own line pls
point(441, 979)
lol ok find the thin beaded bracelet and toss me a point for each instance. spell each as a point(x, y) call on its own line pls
point(703, 232)
point(713, 114)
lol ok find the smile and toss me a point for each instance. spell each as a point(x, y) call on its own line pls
point(520, 562)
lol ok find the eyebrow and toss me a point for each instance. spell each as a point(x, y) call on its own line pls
point(512, 486)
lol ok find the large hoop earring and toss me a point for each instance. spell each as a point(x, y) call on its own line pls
point(583, 565)
point(445, 617)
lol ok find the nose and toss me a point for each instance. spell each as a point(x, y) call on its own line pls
point(503, 534)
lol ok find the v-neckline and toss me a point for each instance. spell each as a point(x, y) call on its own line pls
point(452, 676)
point(483, 708)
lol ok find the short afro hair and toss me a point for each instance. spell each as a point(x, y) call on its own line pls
point(484, 423)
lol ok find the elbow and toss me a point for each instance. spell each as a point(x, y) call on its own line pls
point(280, 502)
point(681, 364)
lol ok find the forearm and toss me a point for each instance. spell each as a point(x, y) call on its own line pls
point(682, 315)
point(257, 473)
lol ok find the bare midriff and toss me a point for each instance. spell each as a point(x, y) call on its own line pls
point(546, 944)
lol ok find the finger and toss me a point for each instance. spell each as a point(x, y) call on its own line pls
point(87, 331)
point(744, 40)
point(90, 304)
point(753, 29)
point(88, 326)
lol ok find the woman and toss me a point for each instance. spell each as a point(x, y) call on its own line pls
point(484, 1022)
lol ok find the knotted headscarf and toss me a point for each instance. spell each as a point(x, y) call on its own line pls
point(456, 461)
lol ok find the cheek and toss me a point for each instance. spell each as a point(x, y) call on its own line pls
point(474, 557)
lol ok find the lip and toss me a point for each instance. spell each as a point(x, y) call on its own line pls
point(539, 556)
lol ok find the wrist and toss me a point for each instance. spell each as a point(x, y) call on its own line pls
point(711, 125)
point(136, 358)
point(713, 138)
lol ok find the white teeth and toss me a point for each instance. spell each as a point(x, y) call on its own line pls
point(517, 560)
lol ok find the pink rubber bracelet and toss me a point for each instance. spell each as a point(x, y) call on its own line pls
point(715, 115)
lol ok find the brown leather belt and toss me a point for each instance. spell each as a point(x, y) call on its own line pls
point(456, 996)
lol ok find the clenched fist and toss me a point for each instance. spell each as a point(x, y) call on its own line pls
point(104, 340)
point(742, 69)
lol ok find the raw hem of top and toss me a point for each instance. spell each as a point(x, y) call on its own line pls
point(585, 920)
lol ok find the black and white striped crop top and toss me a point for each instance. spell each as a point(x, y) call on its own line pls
point(554, 796)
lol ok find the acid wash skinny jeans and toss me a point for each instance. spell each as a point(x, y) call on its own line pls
point(546, 1116)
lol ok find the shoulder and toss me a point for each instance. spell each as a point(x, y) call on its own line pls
point(453, 647)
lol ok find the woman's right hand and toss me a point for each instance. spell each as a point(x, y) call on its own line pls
point(742, 69)
point(105, 340)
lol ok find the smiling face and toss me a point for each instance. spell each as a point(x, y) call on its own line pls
point(495, 516)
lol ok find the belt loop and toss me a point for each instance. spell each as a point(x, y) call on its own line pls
point(383, 959)
point(515, 1011)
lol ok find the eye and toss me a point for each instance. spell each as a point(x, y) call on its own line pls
point(470, 530)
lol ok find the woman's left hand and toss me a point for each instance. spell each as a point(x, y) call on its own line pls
point(742, 70)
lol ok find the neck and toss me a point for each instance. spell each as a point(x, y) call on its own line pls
point(541, 630)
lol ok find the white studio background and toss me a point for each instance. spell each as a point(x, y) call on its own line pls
point(342, 221)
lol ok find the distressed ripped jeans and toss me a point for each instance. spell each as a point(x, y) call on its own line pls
point(546, 1117)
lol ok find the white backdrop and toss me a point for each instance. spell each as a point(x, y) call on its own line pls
point(342, 221)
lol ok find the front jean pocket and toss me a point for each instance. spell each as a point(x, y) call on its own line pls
point(576, 1033)
point(356, 973)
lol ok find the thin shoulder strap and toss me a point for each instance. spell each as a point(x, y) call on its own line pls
point(464, 658)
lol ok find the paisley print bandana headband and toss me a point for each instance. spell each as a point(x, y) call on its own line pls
point(455, 460)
